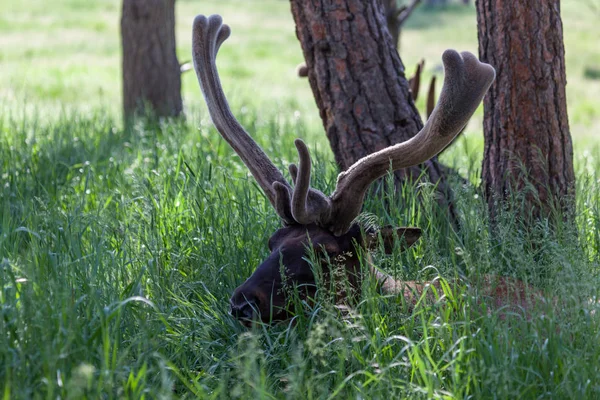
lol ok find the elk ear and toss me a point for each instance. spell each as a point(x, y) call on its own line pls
point(407, 236)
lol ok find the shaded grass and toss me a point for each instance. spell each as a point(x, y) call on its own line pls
point(120, 250)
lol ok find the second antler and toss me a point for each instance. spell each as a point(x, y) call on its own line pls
point(466, 82)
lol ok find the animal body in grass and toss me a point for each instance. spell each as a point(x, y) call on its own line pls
point(313, 220)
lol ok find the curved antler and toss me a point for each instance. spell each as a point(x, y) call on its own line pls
point(303, 205)
point(465, 83)
point(208, 35)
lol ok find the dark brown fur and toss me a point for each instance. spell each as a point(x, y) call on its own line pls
point(265, 293)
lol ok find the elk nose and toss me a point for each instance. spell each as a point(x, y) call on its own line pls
point(245, 310)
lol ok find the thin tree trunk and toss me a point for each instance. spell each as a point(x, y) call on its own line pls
point(528, 147)
point(396, 16)
point(358, 81)
point(151, 72)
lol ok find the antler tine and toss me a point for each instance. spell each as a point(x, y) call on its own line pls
point(431, 97)
point(308, 205)
point(208, 35)
point(293, 172)
point(466, 82)
point(283, 202)
point(415, 81)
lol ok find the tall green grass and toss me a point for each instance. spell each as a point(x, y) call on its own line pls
point(120, 248)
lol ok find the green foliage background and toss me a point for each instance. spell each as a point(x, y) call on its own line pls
point(119, 248)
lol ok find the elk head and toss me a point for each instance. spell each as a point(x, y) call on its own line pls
point(288, 267)
point(311, 218)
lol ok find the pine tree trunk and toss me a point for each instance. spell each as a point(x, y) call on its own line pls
point(151, 74)
point(528, 147)
point(358, 81)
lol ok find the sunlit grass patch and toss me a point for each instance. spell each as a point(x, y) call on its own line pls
point(68, 56)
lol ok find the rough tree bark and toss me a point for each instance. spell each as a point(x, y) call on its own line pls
point(151, 72)
point(395, 16)
point(528, 145)
point(358, 81)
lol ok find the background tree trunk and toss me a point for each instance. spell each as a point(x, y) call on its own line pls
point(358, 81)
point(151, 74)
point(396, 15)
point(528, 145)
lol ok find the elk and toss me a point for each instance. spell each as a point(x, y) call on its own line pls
point(312, 219)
